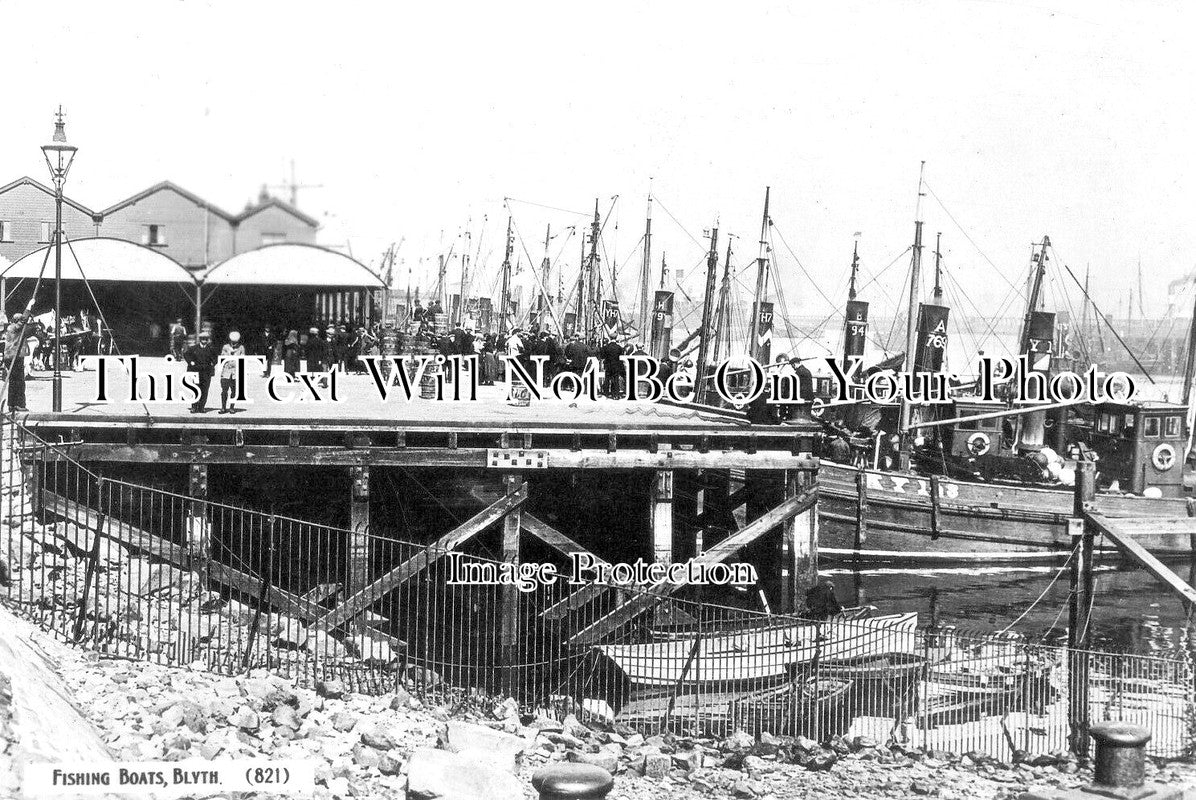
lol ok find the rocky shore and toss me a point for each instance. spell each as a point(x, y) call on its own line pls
point(397, 746)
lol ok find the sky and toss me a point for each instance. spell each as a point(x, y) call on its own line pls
point(415, 121)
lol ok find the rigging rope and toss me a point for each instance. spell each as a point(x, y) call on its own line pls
point(1101, 315)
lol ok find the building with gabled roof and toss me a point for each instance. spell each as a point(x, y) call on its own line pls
point(165, 216)
point(27, 217)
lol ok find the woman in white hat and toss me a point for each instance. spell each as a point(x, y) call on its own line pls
point(228, 371)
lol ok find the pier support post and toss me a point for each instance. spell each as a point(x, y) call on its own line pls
point(509, 624)
point(198, 534)
point(799, 536)
point(1079, 630)
point(358, 572)
point(661, 510)
point(765, 491)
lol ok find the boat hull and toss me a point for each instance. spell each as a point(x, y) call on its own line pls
point(760, 655)
point(973, 522)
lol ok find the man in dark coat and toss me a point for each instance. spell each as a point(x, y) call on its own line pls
point(611, 354)
point(551, 348)
point(575, 355)
point(805, 380)
point(265, 346)
point(317, 351)
point(15, 335)
point(201, 359)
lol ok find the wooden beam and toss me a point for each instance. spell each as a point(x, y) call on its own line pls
point(358, 566)
point(1127, 544)
point(720, 552)
point(718, 514)
point(360, 601)
point(800, 541)
point(660, 509)
point(1079, 630)
point(337, 456)
point(554, 538)
point(551, 536)
point(508, 634)
point(1155, 526)
point(177, 556)
point(321, 592)
point(713, 430)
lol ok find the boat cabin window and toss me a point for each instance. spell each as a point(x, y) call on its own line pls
point(1173, 426)
point(1109, 423)
point(1151, 428)
point(1128, 427)
point(990, 424)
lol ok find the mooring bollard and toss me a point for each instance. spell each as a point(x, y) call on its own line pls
point(1120, 760)
point(1119, 766)
point(570, 781)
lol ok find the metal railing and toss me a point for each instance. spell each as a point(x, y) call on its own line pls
point(140, 572)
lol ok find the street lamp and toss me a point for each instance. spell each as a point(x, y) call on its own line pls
point(59, 157)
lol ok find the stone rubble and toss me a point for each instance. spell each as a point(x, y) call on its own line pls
point(400, 745)
point(395, 746)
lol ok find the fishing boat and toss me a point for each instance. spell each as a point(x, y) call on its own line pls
point(798, 707)
point(983, 480)
point(788, 709)
point(956, 691)
point(903, 517)
point(871, 675)
point(760, 654)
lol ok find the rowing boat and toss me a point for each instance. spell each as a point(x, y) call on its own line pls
point(761, 653)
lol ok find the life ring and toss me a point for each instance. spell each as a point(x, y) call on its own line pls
point(978, 443)
point(1163, 457)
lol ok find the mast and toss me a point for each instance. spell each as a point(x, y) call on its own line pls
point(408, 294)
point(911, 322)
point(1084, 310)
point(754, 346)
point(579, 314)
point(855, 321)
point(646, 271)
point(938, 269)
point(504, 302)
point(721, 323)
point(707, 311)
point(1032, 301)
point(543, 299)
point(855, 269)
point(1190, 366)
point(592, 277)
point(664, 268)
point(1141, 292)
point(1037, 343)
point(460, 316)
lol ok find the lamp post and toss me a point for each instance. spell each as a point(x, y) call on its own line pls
point(59, 157)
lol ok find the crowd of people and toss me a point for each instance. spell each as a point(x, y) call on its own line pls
point(33, 340)
point(319, 348)
point(329, 345)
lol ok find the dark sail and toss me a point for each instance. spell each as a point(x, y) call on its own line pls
point(764, 333)
point(932, 338)
point(662, 325)
point(1040, 341)
point(855, 329)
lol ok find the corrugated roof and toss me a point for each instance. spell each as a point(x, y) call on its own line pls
point(293, 265)
point(102, 259)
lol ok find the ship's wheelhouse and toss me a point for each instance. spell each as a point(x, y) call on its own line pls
point(1141, 446)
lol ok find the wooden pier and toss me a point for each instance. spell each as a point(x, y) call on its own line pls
point(501, 445)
